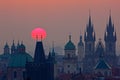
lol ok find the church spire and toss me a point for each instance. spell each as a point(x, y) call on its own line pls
point(69, 37)
point(110, 19)
point(80, 42)
point(53, 51)
point(90, 22)
point(39, 56)
point(13, 48)
point(6, 49)
point(110, 31)
point(89, 33)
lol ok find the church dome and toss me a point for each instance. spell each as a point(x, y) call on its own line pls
point(70, 45)
point(19, 60)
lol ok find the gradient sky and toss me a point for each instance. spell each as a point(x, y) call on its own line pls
point(58, 17)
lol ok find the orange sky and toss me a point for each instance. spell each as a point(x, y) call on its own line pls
point(58, 17)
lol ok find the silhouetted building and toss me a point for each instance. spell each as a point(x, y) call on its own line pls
point(16, 66)
point(41, 68)
point(4, 60)
point(81, 54)
point(110, 43)
point(89, 38)
point(70, 58)
point(102, 69)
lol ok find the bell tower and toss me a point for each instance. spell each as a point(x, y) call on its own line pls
point(89, 38)
point(110, 42)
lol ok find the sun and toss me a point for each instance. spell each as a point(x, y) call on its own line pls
point(38, 34)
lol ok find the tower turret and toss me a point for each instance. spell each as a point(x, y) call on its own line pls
point(70, 59)
point(80, 49)
point(13, 48)
point(22, 48)
point(80, 54)
point(6, 49)
point(110, 42)
point(89, 38)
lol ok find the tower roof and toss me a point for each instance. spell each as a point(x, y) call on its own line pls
point(39, 56)
point(110, 33)
point(100, 48)
point(102, 64)
point(19, 60)
point(6, 45)
point(70, 45)
point(89, 33)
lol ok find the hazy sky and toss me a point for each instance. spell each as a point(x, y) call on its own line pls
point(58, 17)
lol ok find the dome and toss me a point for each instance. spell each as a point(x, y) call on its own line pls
point(19, 60)
point(70, 45)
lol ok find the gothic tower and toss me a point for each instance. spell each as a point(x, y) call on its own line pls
point(80, 49)
point(80, 53)
point(110, 42)
point(41, 68)
point(89, 38)
point(70, 59)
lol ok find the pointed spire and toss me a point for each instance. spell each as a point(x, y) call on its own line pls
point(110, 19)
point(80, 42)
point(39, 56)
point(80, 37)
point(6, 49)
point(41, 38)
point(21, 42)
point(69, 37)
point(13, 48)
point(6, 46)
point(90, 22)
point(53, 47)
point(13, 42)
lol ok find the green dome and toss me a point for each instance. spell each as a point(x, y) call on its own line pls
point(70, 45)
point(19, 59)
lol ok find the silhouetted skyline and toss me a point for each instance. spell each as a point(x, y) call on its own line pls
point(58, 18)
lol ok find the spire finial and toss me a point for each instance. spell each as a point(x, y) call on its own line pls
point(21, 42)
point(41, 37)
point(52, 46)
point(36, 37)
point(110, 12)
point(89, 17)
point(13, 41)
point(70, 37)
point(110, 20)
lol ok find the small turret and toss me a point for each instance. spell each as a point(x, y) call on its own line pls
point(13, 48)
point(6, 49)
point(22, 48)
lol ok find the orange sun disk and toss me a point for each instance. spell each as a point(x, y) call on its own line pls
point(38, 34)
